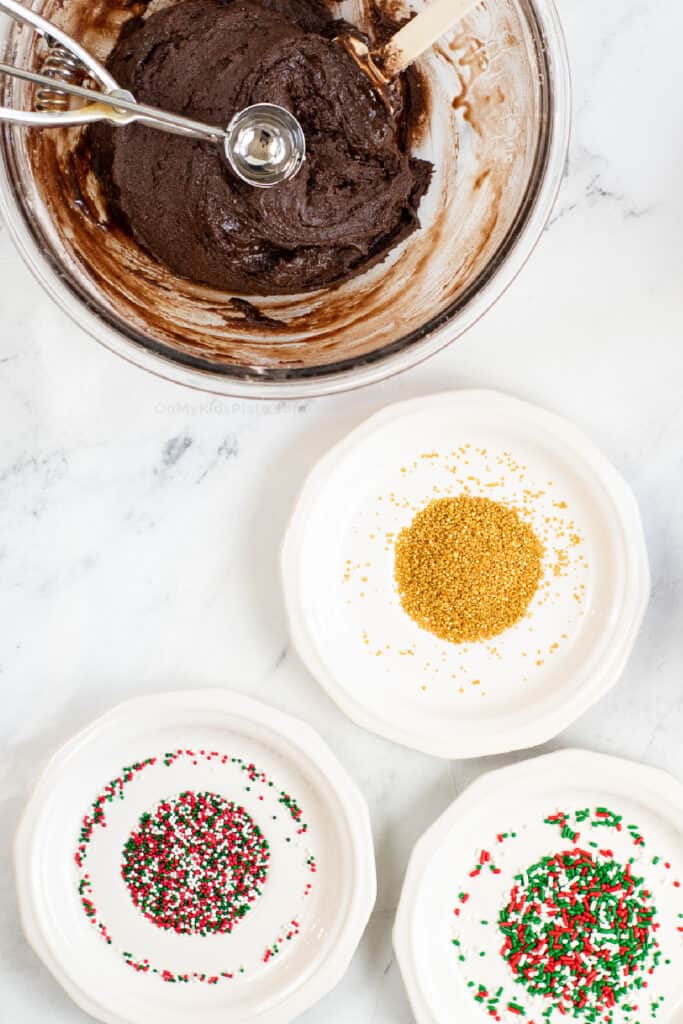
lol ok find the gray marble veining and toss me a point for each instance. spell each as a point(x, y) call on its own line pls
point(140, 523)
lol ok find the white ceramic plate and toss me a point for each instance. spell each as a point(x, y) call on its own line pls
point(396, 679)
point(446, 900)
point(307, 916)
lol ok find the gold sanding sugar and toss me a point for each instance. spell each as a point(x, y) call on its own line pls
point(467, 568)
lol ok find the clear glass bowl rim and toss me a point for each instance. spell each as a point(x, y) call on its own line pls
point(406, 352)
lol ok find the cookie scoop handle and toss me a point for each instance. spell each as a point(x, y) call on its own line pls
point(422, 32)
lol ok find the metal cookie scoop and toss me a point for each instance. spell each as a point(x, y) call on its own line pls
point(264, 144)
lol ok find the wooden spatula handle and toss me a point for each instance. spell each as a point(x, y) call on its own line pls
point(422, 32)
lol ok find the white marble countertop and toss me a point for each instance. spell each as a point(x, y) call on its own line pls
point(140, 523)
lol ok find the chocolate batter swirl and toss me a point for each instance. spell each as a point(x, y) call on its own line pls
point(355, 198)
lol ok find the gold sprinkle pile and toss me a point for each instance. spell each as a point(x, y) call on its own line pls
point(467, 568)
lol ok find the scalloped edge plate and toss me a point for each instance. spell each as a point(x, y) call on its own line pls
point(652, 787)
point(449, 737)
point(288, 735)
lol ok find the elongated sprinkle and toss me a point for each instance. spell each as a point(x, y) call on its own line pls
point(579, 931)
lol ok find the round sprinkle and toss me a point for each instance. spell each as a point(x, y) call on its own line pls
point(195, 864)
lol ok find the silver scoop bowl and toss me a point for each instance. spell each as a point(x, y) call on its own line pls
point(264, 144)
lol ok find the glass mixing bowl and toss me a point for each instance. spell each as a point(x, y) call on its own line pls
point(496, 127)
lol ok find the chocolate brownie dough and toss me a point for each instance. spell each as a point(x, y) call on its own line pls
point(354, 199)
